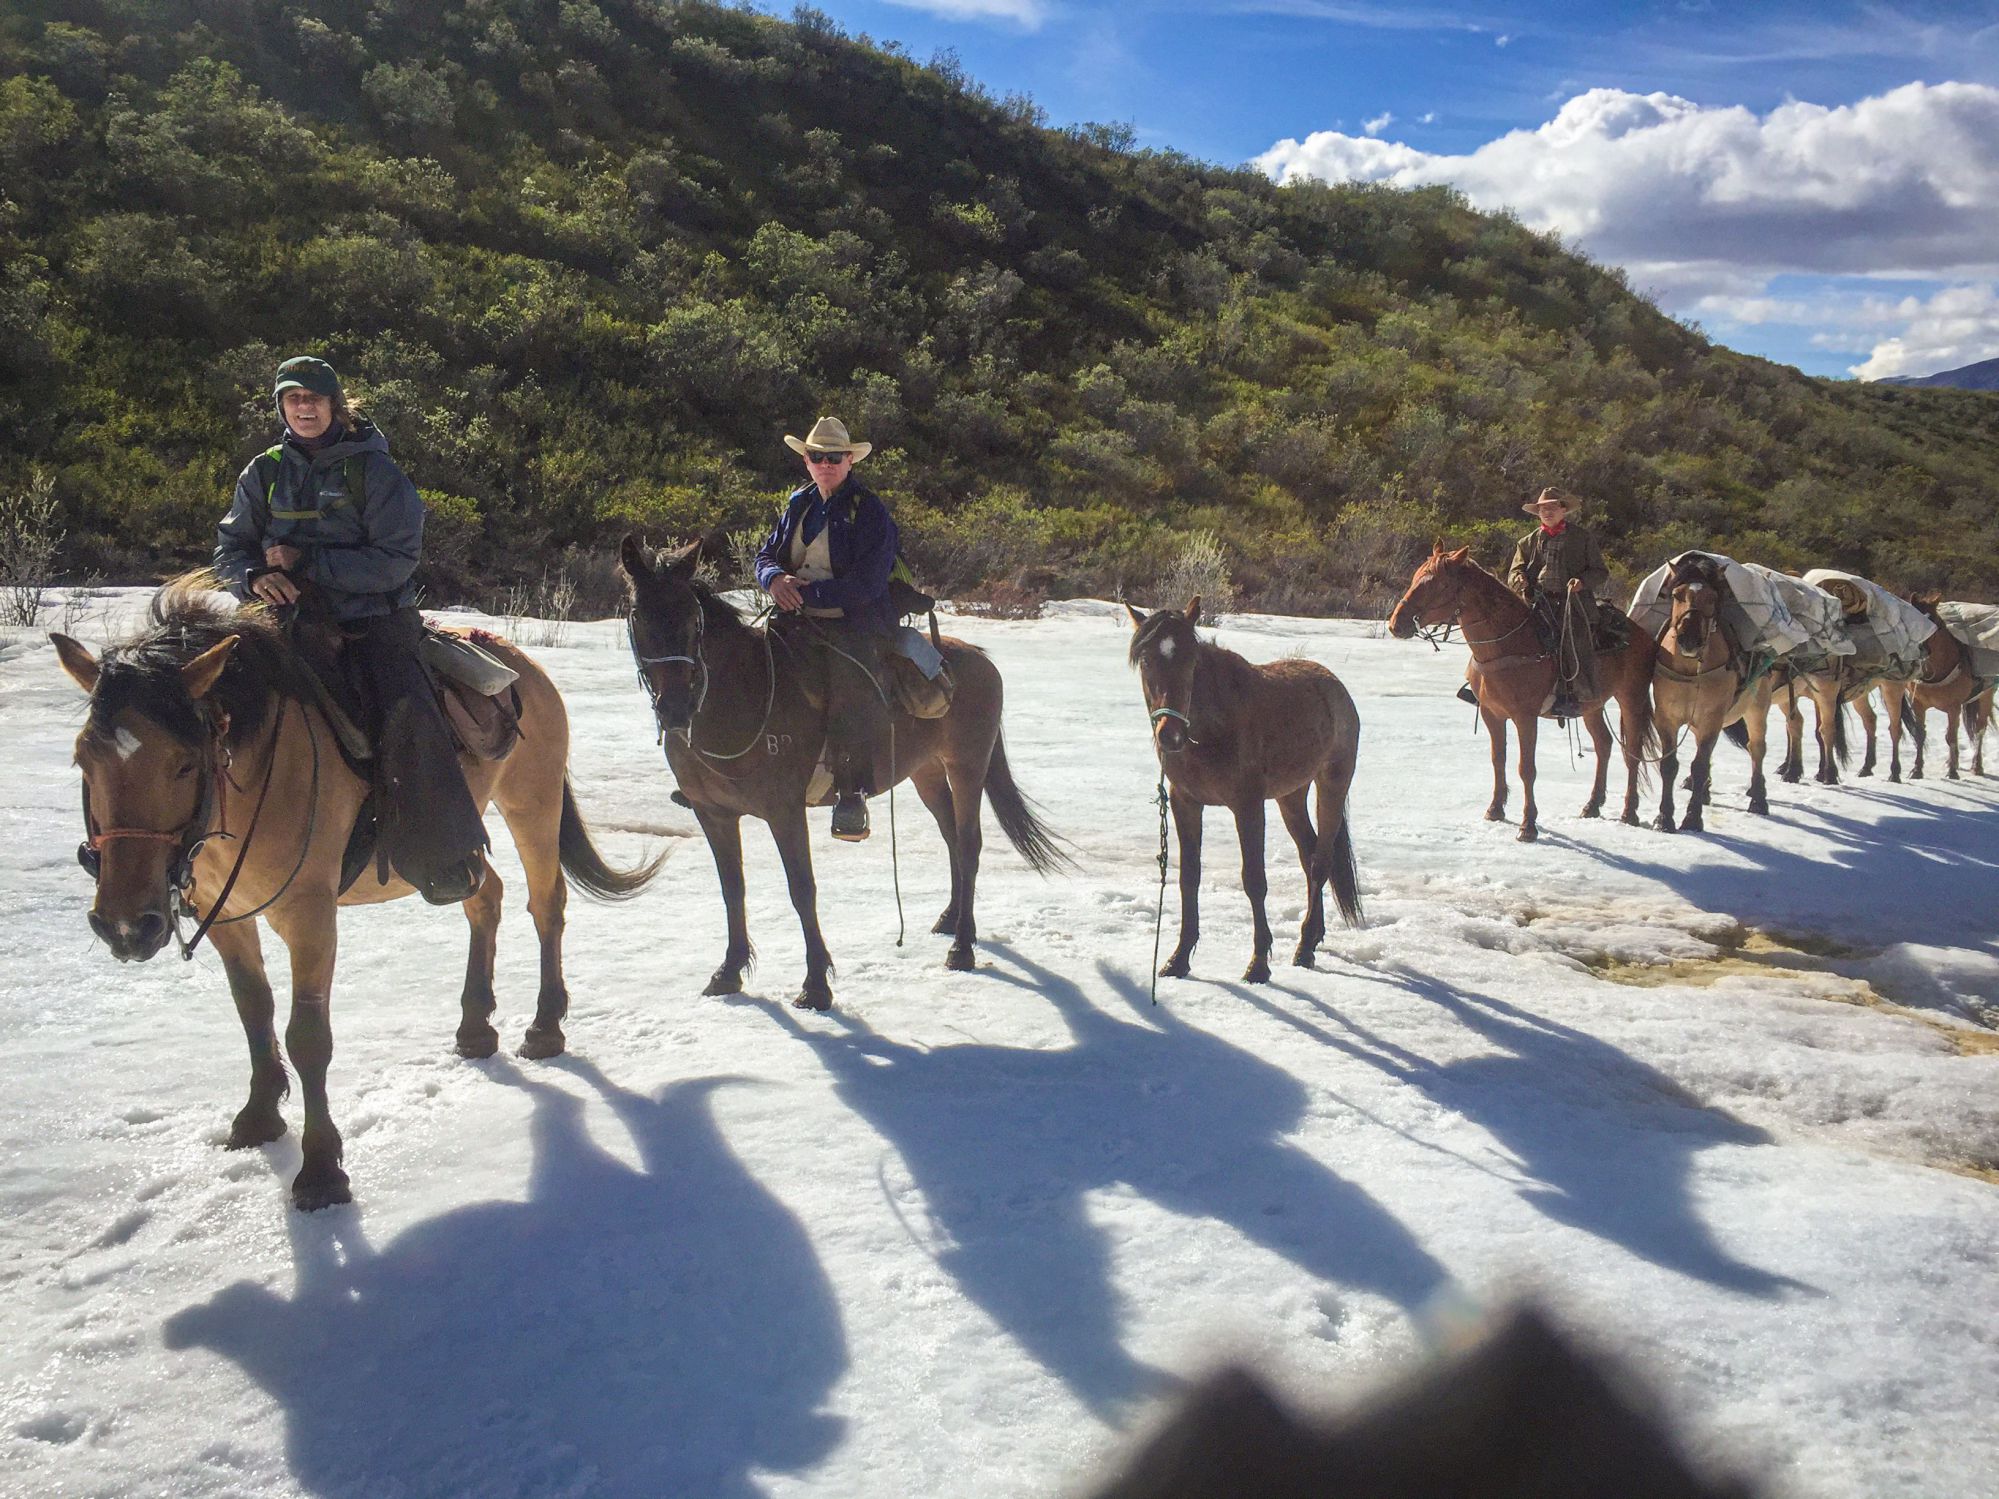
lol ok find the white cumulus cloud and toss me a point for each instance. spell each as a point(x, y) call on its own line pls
point(1957, 326)
point(1698, 201)
point(1378, 124)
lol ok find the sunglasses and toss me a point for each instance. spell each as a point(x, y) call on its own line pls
point(825, 457)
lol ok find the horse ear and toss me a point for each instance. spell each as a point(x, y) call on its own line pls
point(680, 565)
point(1137, 618)
point(200, 674)
point(1459, 555)
point(632, 557)
point(83, 668)
point(1193, 608)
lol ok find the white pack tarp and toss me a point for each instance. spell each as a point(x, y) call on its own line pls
point(1977, 628)
point(1765, 610)
point(1888, 638)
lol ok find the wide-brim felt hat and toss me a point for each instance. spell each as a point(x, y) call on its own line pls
point(1570, 503)
point(828, 435)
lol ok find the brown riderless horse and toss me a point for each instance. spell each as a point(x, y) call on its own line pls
point(209, 775)
point(1515, 679)
point(744, 739)
point(1697, 684)
point(1947, 685)
point(1229, 734)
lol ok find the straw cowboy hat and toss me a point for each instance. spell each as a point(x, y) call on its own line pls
point(1570, 503)
point(828, 435)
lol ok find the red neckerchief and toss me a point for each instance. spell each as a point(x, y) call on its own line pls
point(1547, 530)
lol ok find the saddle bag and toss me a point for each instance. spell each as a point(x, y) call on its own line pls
point(917, 695)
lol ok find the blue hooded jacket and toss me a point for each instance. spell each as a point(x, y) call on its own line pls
point(361, 549)
point(862, 542)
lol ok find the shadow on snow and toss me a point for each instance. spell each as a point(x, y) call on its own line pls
point(1003, 1143)
point(664, 1330)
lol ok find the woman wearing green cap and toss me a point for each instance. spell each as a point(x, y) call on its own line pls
point(329, 511)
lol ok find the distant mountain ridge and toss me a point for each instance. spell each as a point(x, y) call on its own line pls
point(586, 261)
point(1983, 375)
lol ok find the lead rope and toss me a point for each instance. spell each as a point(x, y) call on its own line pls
point(1159, 917)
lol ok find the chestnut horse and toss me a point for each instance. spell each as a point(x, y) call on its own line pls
point(1697, 683)
point(743, 739)
point(1947, 685)
point(1229, 734)
point(213, 783)
point(1515, 678)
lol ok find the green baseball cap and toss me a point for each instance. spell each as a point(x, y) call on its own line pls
point(307, 373)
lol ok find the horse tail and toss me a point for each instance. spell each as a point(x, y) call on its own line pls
point(1839, 753)
point(586, 868)
point(1027, 833)
point(1345, 880)
point(1911, 719)
point(1738, 734)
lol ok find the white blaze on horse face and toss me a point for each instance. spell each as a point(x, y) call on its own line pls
point(125, 742)
point(1166, 649)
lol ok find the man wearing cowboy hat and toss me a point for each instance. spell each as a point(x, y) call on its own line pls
point(1558, 567)
point(828, 559)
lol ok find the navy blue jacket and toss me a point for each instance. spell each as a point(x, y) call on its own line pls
point(861, 541)
point(361, 549)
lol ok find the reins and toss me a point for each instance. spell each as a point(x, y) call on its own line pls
point(699, 661)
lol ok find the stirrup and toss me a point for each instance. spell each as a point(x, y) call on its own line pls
point(456, 884)
point(850, 818)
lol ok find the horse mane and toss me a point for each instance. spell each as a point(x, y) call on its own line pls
point(144, 673)
point(1498, 583)
point(1927, 600)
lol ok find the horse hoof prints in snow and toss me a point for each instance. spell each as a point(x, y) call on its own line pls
point(743, 739)
point(1229, 734)
point(211, 779)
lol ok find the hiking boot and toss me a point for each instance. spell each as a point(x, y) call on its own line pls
point(1565, 706)
point(459, 882)
point(850, 817)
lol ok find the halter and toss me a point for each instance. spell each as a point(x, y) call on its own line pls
point(1436, 637)
point(1185, 722)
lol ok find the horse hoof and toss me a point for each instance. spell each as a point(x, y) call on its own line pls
point(1528, 835)
point(1258, 972)
point(1915, 775)
point(1693, 825)
point(1865, 771)
point(945, 925)
point(1664, 824)
point(1759, 808)
point(1592, 810)
point(1630, 820)
point(539, 1044)
point(725, 981)
point(254, 1127)
point(1894, 778)
point(320, 1187)
point(1495, 814)
point(1306, 958)
point(961, 960)
point(817, 997)
point(1174, 968)
point(473, 1044)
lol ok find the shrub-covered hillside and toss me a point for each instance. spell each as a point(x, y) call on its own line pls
point(586, 260)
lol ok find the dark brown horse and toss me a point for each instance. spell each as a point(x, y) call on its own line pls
point(743, 738)
point(1229, 734)
point(1946, 685)
point(212, 780)
point(1515, 678)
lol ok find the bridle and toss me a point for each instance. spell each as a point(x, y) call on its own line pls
point(1438, 636)
point(1161, 714)
point(699, 661)
point(211, 810)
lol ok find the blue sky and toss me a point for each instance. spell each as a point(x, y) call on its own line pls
point(1814, 183)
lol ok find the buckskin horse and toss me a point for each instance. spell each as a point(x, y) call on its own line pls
point(743, 738)
point(1515, 678)
point(1697, 684)
point(1230, 734)
point(213, 783)
point(1948, 685)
